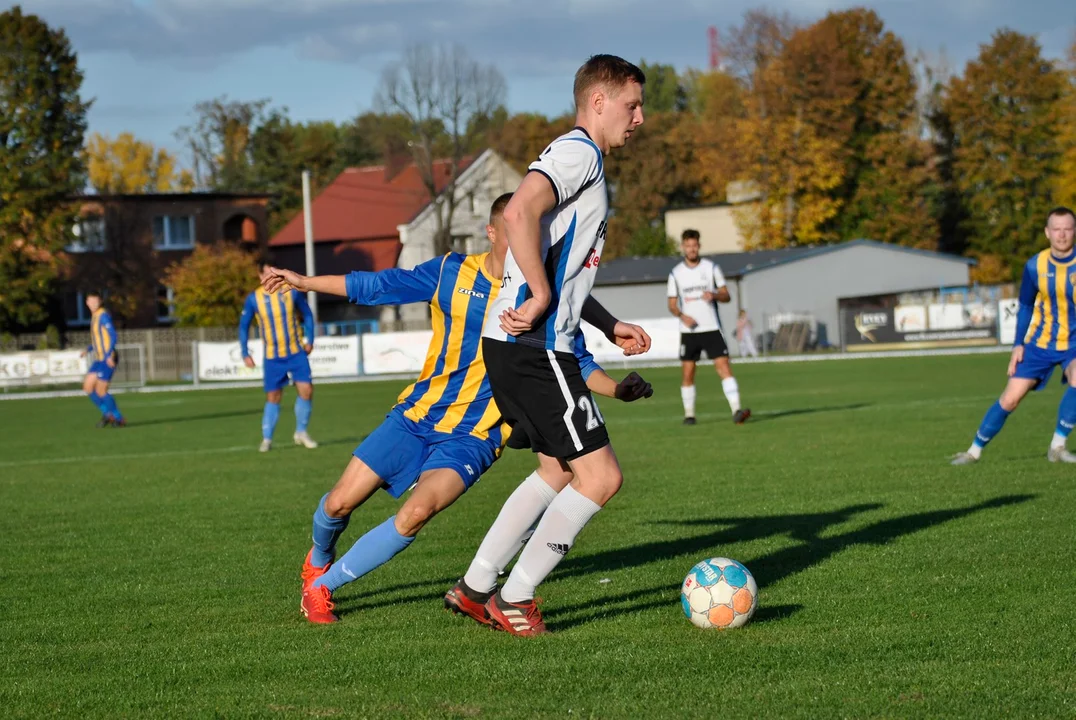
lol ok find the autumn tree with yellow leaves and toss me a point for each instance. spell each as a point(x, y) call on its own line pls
point(125, 164)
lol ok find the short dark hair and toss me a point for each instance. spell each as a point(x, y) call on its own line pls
point(1058, 211)
point(690, 234)
point(498, 206)
point(93, 293)
point(608, 70)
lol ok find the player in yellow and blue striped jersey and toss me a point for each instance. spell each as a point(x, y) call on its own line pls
point(103, 359)
point(1045, 339)
point(285, 351)
point(445, 430)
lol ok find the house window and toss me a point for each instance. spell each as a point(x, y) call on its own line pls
point(173, 232)
point(76, 311)
point(166, 304)
point(89, 235)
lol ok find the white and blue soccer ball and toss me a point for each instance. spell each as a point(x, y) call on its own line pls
point(719, 593)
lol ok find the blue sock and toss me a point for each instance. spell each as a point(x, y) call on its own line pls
point(326, 532)
point(109, 404)
point(96, 400)
point(303, 408)
point(372, 550)
point(992, 423)
point(269, 418)
point(1066, 413)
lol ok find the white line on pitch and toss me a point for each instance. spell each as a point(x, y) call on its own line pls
point(87, 458)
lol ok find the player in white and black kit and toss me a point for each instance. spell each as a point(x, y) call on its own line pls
point(696, 285)
point(556, 231)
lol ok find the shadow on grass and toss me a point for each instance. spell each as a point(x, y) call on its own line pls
point(768, 569)
point(763, 416)
point(194, 418)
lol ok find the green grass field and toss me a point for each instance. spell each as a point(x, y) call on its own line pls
point(154, 571)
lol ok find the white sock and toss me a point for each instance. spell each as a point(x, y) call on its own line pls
point(552, 539)
point(687, 394)
point(732, 393)
point(506, 536)
point(1058, 441)
point(976, 451)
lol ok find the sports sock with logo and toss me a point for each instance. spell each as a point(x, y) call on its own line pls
point(509, 531)
point(303, 408)
point(553, 538)
point(687, 394)
point(1066, 418)
point(269, 417)
point(732, 393)
point(371, 551)
point(327, 531)
point(992, 423)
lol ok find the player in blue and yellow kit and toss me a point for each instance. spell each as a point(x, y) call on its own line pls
point(285, 355)
point(103, 358)
point(1045, 339)
point(445, 430)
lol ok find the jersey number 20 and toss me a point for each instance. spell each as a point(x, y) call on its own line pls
point(594, 415)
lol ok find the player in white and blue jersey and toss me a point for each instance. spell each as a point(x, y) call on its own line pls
point(1045, 339)
point(556, 224)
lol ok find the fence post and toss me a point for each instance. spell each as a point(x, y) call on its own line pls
point(151, 356)
point(194, 361)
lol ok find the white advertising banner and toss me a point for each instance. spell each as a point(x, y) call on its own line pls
point(399, 352)
point(46, 367)
point(1007, 311)
point(332, 357)
point(405, 352)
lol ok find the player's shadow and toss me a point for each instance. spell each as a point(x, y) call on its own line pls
point(396, 595)
point(762, 415)
point(811, 550)
point(194, 418)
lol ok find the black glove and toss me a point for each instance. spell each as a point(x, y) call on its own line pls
point(632, 388)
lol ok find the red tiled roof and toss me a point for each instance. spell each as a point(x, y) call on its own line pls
point(365, 204)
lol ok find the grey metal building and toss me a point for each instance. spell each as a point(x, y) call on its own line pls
point(791, 282)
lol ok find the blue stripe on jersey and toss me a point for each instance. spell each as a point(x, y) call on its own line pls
point(565, 248)
point(270, 320)
point(477, 410)
point(521, 297)
point(601, 163)
point(446, 285)
point(469, 344)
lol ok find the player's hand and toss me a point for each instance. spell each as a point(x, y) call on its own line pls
point(1016, 359)
point(111, 362)
point(82, 354)
point(632, 339)
point(308, 348)
point(688, 321)
point(249, 362)
point(632, 388)
point(276, 279)
point(709, 296)
point(516, 321)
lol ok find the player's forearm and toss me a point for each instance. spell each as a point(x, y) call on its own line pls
point(326, 285)
point(596, 314)
point(1023, 321)
point(525, 241)
point(723, 295)
point(599, 382)
point(674, 308)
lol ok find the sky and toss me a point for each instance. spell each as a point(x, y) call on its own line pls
point(147, 62)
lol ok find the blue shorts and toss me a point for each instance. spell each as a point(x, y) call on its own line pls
point(275, 376)
point(1039, 364)
point(400, 450)
point(101, 369)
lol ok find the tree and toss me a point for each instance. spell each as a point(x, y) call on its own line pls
point(1065, 190)
point(440, 89)
point(1004, 118)
point(211, 285)
point(219, 142)
point(129, 165)
point(519, 139)
point(664, 90)
point(42, 123)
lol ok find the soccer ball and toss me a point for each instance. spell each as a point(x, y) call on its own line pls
point(719, 593)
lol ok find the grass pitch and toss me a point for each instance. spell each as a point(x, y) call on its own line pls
point(154, 571)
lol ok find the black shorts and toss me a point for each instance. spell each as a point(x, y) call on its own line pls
point(542, 394)
point(692, 345)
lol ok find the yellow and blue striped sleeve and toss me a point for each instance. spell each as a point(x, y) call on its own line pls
point(250, 310)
